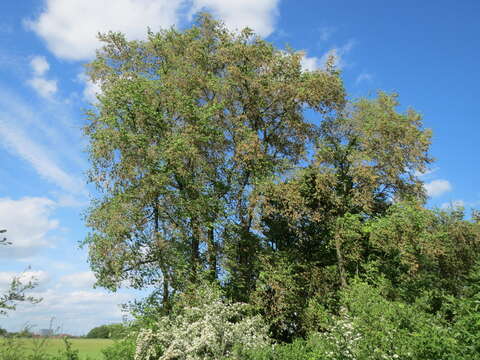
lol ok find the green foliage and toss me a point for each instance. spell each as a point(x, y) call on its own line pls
point(111, 331)
point(188, 129)
point(297, 350)
point(99, 332)
point(383, 329)
point(279, 296)
point(466, 316)
point(369, 326)
point(217, 192)
point(421, 250)
point(11, 349)
point(121, 350)
point(208, 328)
point(69, 353)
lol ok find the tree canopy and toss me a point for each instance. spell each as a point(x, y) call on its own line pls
point(218, 159)
point(189, 127)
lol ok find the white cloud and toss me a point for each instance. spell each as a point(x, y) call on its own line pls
point(70, 28)
point(70, 300)
point(14, 140)
point(75, 312)
point(44, 87)
point(39, 65)
point(310, 63)
point(90, 90)
point(363, 77)
point(79, 280)
point(259, 15)
point(437, 187)
point(426, 172)
point(6, 277)
point(28, 222)
point(336, 55)
point(69, 199)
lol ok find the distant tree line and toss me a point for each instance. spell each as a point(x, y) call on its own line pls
point(111, 331)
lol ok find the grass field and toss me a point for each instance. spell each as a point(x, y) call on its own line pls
point(88, 348)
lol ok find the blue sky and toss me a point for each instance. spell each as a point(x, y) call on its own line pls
point(426, 51)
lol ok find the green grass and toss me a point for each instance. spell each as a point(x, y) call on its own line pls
point(88, 348)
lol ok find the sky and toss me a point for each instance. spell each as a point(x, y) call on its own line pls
point(428, 52)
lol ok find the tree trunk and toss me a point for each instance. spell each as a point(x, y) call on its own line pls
point(340, 261)
point(195, 253)
point(212, 254)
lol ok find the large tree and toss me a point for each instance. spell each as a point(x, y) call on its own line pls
point(189, 126)
point(367, 157)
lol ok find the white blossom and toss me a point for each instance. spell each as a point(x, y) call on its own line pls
point(207, 331)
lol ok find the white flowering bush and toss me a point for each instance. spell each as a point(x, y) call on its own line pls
point(209, 329)
point(342, 340)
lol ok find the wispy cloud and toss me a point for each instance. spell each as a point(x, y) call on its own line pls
point(259, 15)
point(90, 90)
point(363, 77)
point(39, 82)
point(85, 279)
point(28, 222)
point(44, 87)
point(426, 173)
point(336, 57)
point(437, 187)
point(37, 276)
point(326, 32)
point(18, 143)
point(44, 135)
point(338, 54)
point(39, 65)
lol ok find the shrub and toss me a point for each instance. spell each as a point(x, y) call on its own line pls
point(121, 350)
point(466, 317)
point(210, 328)
point(370, 326)
point(298, 350)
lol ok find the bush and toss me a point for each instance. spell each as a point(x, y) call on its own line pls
point(466, 317)
point(372, 327)
point(298, 350)
point(207, 328)
point(121, 350)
